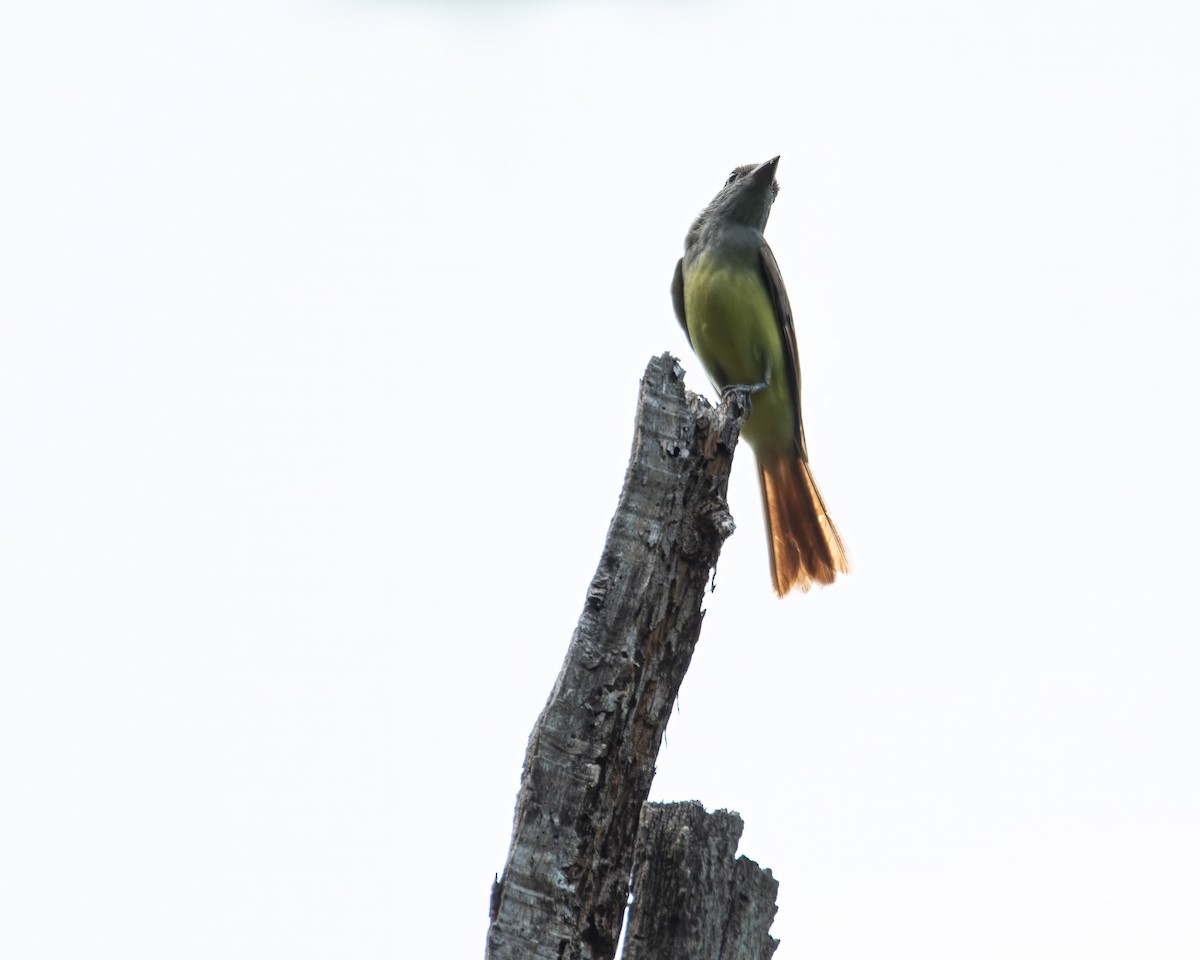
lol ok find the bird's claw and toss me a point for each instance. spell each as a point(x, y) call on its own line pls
point(742, 392)
point(745, 389)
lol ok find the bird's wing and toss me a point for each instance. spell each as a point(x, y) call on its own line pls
point(783, 318)
point(677, 299)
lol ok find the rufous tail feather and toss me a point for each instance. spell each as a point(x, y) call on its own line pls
point(804, 544)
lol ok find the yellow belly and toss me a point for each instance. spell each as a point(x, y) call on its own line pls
point(734, 332)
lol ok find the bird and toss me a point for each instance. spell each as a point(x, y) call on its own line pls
point(730, 299)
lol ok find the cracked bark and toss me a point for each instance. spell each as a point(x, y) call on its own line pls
point(692, 899)
point(591, 754)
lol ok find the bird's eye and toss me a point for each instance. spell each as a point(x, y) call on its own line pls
point(733, 176)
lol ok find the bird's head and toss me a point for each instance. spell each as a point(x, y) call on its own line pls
point(747, 195)
point(745, 202)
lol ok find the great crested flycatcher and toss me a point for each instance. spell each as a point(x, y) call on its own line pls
point(731, 302)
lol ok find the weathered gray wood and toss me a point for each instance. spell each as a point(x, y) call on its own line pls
point(691, 899)
point(591, 755)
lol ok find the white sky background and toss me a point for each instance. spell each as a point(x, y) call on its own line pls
point(320, 332)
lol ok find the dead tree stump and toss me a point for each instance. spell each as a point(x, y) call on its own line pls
point(591, 755)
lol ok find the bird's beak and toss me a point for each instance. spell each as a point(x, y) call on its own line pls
point(765, 172)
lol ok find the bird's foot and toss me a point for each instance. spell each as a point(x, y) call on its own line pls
point(741, 393)
point(745, 389)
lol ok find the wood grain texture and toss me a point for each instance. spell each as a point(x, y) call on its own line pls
point(692, 899)
point(591, 755)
